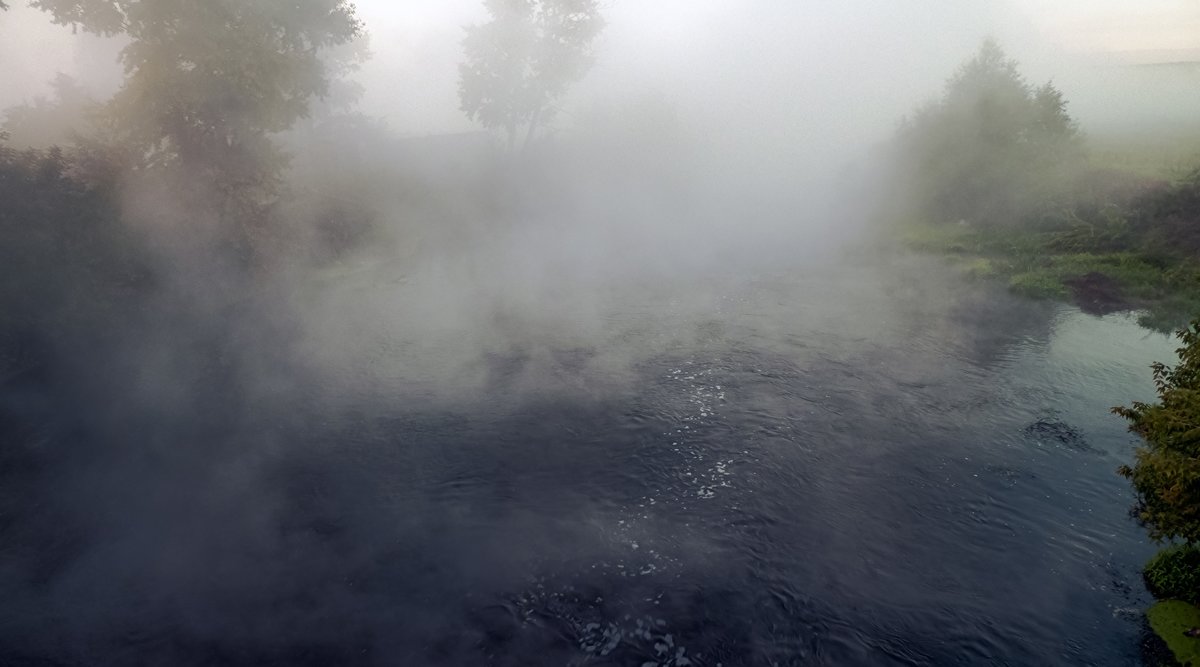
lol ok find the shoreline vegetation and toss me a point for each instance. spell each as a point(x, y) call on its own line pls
point(1171, 620)
point(1166, 480)
point(995, 176)
point(176, 221)
point(1034, 263)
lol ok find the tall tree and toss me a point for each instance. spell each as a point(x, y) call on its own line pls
point(992, 149)
point(208, 82)
point(524, 59)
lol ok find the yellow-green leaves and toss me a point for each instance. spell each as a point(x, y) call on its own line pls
point(208, 83)
point(1166, 472)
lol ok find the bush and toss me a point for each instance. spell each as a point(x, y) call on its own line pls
point(1175, 574)
point(1166, 473)
point(1038, 285)
point(67, 259)
point(1169, 217)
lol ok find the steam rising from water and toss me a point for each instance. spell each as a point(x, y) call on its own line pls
point(481, 407)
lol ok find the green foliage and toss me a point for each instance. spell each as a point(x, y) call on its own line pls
point(523, 60)
point(1169, 216)
point(1174, 573)
point(993, 150)
point(1104, 229)
point(209, 82)
point(996, 169)
point(65, 253)
point(1059, 264)
point(981, 267)
point(1166, 472)
point(1170, 619)
point(54, 121)
point(1038, 285)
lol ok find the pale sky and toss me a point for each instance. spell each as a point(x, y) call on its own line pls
point(1117, 25)
point(1085, 25)
point(894, 49)
point(416, 41)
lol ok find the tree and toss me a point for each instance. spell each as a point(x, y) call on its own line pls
point(56, 120)
point(992, 149)
point(208, 83)
point(1166, 472)
point(524, 60)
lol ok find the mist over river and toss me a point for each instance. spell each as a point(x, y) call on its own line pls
point(849, 462)
point(598, 333)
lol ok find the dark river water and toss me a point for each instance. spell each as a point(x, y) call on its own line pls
point(842, 464)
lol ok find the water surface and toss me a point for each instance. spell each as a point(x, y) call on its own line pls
point(840, 464)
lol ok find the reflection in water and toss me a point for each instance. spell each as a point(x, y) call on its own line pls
point(842, 466)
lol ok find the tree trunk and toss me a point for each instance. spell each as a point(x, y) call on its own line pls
point(533, 124)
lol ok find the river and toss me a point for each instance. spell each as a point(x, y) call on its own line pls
point(844, 463)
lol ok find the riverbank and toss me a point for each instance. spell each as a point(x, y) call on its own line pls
point(1040, 265)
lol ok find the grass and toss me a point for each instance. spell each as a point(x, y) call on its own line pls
point(981, 268)
point(1170, 619)
point(1174, 573)
point(1153, 155)
point(1039, 285)
point(1035, 265)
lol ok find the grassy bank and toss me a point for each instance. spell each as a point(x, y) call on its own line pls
point(1040, 264)
point(1170, 620)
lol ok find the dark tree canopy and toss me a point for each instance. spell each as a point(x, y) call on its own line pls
point(65, 253)
point(208, 82)
point(524, 59)
point(1166, 473)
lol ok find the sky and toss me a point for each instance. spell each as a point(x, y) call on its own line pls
point(663, 44)
point(1117, 25)
point(896, 51)
point(1086, 25)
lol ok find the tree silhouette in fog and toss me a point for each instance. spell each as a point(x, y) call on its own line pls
point(52, 121)
point(209, 82)
point(523, 60)
point(993, 149)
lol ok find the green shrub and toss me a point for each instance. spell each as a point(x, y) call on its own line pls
point(1038, 285)
point(1166, 470)
point(1175, 574)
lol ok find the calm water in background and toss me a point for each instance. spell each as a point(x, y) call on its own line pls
point(834, 465)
